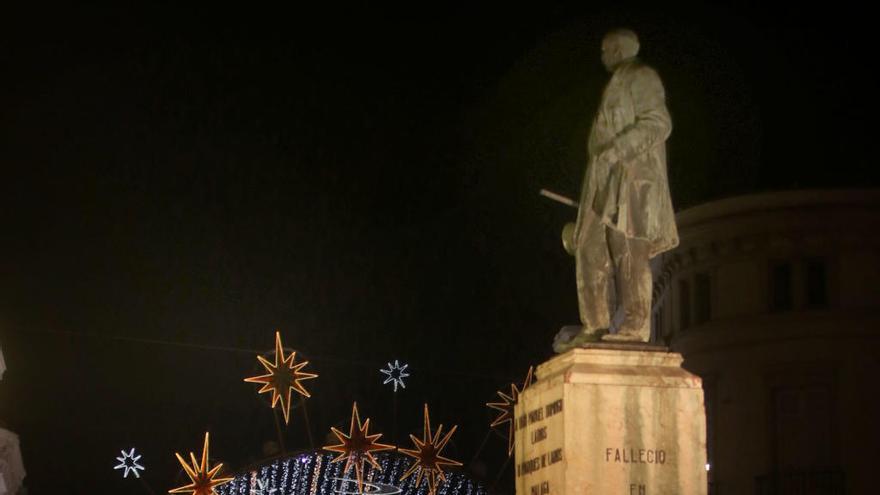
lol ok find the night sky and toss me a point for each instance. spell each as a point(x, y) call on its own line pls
point(180, 183)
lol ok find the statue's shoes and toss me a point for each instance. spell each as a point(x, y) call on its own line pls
point(571, 337)
point(565, 334)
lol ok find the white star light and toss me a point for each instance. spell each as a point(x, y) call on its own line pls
point(396, 373)
point(128, 462)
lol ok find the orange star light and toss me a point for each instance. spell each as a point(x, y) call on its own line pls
point(282, 380)
point(201, 474)
point(357, 447)
point(506, 408)
point(429, 463)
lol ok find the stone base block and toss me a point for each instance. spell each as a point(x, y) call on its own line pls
point(612, 419)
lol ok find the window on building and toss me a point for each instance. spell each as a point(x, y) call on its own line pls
point(659, 329)
point(684, 304)
point(655, 327)
point(780, 286)
point(803, 422)
point(702, 298)
point(817, 293)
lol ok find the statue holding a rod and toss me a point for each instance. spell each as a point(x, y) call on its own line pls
point(625, 214)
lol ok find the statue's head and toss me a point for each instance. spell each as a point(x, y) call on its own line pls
point(618, 46)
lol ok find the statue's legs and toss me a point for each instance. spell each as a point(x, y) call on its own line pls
point(593, 265)
point(634, 285)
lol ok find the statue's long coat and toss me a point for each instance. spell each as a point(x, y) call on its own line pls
point(631, 196)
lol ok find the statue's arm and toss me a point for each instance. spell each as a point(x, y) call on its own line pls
point(652, 122)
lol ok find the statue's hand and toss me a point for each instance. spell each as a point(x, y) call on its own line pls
point(609, 155)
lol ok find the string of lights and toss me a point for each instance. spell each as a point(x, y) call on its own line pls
point(312, 473)
point(323, 359)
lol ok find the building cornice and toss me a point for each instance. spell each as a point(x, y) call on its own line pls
point(768, 223)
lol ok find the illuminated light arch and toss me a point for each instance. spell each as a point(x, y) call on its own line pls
point(312, 473)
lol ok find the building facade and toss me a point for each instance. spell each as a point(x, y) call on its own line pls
point(774, 300)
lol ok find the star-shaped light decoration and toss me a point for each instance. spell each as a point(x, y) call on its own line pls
point(506, 408)
point(357, 447)
point(201, 474)
point(429, 463)
point(283, 378)
point(129, 463)
point(396, 373)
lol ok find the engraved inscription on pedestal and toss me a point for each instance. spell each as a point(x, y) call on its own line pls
point(609, 421)
point(544, 444)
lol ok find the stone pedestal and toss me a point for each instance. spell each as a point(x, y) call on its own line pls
point(612, 419)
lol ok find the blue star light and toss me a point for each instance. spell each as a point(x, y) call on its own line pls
point(396, 373)
point(128, 462)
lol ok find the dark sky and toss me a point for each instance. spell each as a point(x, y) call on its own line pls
point(179, 183)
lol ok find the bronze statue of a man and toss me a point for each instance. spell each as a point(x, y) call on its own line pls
point(625, 214)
